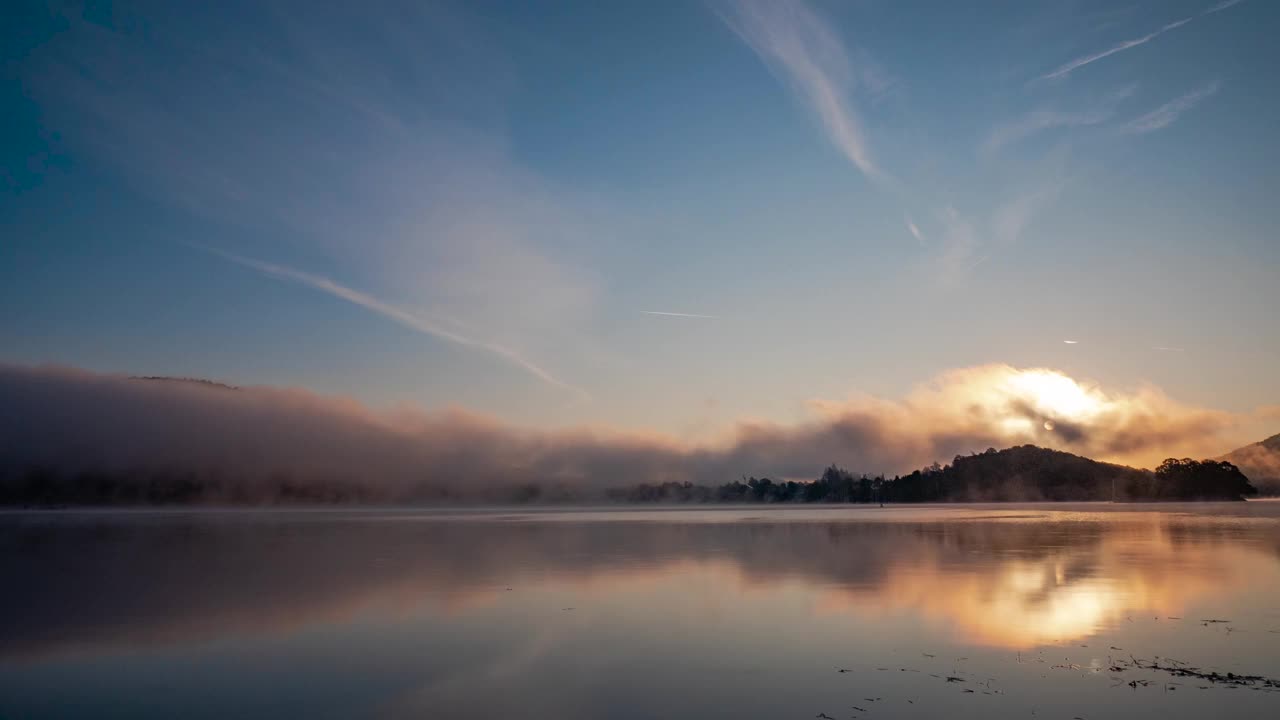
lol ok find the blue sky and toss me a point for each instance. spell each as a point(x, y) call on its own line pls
point(480, 204)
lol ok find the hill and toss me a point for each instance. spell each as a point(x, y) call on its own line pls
point(1031, 473)
point(1025, 473)
point(1260, 462)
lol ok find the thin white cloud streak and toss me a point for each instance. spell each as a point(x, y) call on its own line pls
point(1168, 113)
point(1080, 62)
point(1043, 119)
point(680, 314)
point(405, 318)
point(392, 182)
point(915, 231)
point(1038, 121)
point(800, 46)
point(965, 242)
point(1071, 342)
point(1222, 6)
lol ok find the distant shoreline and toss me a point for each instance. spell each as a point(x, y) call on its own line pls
point(595, 506)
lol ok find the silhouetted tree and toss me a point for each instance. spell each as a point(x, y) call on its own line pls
point(1188, 479)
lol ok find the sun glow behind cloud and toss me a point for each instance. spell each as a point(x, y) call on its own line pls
point(76, 421)
point(1056, 395)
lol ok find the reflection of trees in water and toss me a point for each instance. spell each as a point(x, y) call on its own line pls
point(95, 581)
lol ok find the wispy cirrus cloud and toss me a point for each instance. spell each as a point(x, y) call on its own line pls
point(1011, 218)
point(274, 124)
point(410, 320)
point(1037, 121)
point(967, 240)
point(1043, 119)
point(1221, 6)
point(959, 248)
point(914, 230)
point(804, 50)
point(1168, 113)
point(679, 314)
point(1080, 62)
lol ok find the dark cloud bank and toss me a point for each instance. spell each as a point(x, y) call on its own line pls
point(263, 444)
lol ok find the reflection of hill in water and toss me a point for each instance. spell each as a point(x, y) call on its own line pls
point(118, 582)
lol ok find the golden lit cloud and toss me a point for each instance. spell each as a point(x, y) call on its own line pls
point(1001, 405)
point(75, 421)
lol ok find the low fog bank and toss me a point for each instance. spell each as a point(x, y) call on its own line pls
point(134, 439)
point(1261, 462)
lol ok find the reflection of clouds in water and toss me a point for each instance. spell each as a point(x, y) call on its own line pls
point(170, 580)
point(1024, 604)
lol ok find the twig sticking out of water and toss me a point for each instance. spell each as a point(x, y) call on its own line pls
point(1213, 677)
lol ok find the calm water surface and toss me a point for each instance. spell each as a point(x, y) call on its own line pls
point(708, 613)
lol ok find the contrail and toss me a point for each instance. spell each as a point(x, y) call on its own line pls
point(683, 315)
point(401, 316)
point(1127, 44)
point(1080, 62)
point(1221, 6)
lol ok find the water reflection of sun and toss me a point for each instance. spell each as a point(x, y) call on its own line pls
point(1026, 603)
point(1012, 598)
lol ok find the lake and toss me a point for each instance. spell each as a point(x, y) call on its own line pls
point(965, 611)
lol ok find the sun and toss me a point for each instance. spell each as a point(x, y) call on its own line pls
point(1055, 395)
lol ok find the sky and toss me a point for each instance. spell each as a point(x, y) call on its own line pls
point(680, 219)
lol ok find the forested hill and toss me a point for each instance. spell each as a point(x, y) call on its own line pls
point(1261, 462)
point(1026, 473)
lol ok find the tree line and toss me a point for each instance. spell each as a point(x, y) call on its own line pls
point(1025, 473)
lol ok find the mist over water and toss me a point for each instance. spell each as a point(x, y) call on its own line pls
point(640, 613)
point(114, 435)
